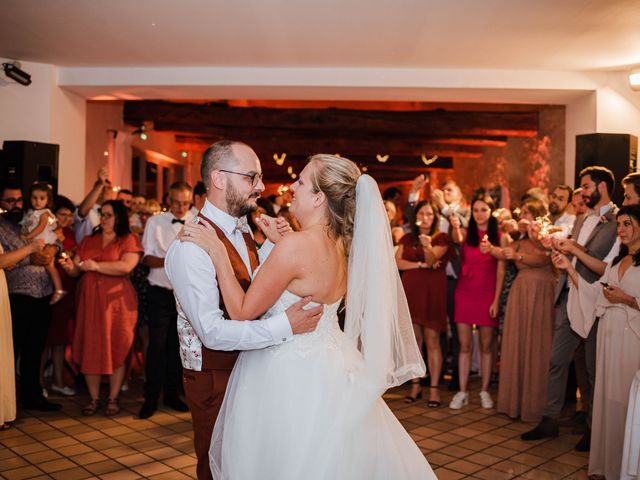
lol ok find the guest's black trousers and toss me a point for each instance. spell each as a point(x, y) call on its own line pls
point(30, 318)
point(163, 370)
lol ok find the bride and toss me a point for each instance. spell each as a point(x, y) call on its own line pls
point(312, 408)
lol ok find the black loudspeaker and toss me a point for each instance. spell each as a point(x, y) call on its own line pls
point(617, 152)
point(26, 162)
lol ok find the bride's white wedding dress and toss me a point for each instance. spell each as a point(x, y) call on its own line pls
point(305, 410)
point(311, 408)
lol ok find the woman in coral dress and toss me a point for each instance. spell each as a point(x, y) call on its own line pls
point(107, 306)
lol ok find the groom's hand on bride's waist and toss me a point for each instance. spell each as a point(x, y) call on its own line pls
point(302, 320)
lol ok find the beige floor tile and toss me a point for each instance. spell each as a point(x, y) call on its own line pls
point(21, 473)
point(77, 449)
point(163, 453)
point(135, 459)
point(172, 475)
point(42, 456)
point(537, 474)
point(56, 465)
point(121, 475)
point(29, 448)
point(483, 459)
point(103, 467)
point(181, 461)
point(510, 467)
point(446, 474)
point(464, 466)
point(491, 474)
point(76, 473)
point(150, 469)
point(12, 463)
point(90, 457)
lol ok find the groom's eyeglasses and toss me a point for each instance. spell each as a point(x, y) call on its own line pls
point(253, 177)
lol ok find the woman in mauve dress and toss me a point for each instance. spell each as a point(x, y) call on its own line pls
point(528, 326)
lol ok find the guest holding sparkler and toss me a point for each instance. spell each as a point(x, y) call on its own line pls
point(528, 326)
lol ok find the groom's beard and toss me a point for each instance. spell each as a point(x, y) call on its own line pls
point(238, 206)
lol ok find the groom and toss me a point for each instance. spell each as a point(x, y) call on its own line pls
point(209, 343)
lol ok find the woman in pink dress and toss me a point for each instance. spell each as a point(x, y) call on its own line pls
point(477, 296)
point(107, 306)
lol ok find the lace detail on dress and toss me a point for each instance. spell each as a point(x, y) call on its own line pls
point(327, 334)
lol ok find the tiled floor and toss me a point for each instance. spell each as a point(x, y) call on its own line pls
point(470, 443)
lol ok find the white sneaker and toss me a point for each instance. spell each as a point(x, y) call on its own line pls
point(459, 400)
point(66, 390)
point(485, 400)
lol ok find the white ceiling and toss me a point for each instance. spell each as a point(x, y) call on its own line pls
point(469, 34)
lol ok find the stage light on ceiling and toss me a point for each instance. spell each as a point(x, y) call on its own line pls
point(634, 79)
point(13, 71)
point(184, 154)
point(143, 136)
point(289, 170)
point(106, 153)
point(294, 176)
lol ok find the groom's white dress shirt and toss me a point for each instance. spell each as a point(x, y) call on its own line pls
point(193, 278)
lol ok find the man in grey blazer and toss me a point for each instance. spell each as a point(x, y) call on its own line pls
point(594, 234)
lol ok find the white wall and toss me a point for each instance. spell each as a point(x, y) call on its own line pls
point(43, 112)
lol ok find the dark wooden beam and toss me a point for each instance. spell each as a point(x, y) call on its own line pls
point(217, 119)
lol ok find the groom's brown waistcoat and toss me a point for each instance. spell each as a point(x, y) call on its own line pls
point(219, 360)
point(204, 390)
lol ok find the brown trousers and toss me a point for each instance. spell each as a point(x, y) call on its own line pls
point(204, 392)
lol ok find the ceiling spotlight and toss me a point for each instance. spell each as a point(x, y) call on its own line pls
point(294, 176)
point(634, 79)
point(184, 154)
point(12, 71)
point(143, 136)
point(106, 153)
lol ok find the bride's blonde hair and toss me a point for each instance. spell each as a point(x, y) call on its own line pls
point(336, 177)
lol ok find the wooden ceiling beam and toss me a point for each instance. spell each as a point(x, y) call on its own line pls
point(217, 118)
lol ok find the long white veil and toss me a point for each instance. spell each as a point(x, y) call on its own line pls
point(377, 314)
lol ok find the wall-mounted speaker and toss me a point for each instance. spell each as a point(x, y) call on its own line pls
point(617, 152)
point(27, 162)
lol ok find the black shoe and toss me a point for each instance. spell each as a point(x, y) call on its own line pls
point(177, 404)
point(148, 409)
point(42, 405)
point(579, 426)
point(548, 427)
point(454, 384)
point(584, 445)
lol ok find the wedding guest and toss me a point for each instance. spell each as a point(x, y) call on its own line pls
point(529, 322)
point(559, 215)
point(615, 301)
point(163, 370)
point(631, 186)
point(105, 323)
point(477, 296)
point(30, 290)
point(87, 216)
point(39, 222)
point(595, 233)
point(577, 203)
point(285, 213)
point(252, 219)
point(421, 257)
point(135, 222)
point(7, 373)
point(199, 196)
point(396, 232)
point(126, 197)
point(63, 313)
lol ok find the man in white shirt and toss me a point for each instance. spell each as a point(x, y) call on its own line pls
point(163, 370)
point(232, 174)
point(560, 199)
point(87, 215)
